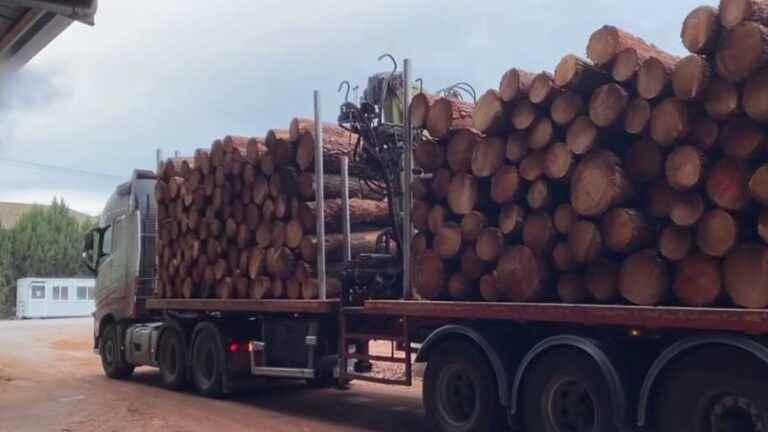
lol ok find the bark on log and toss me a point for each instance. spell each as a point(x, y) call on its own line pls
point(332, 187)
point(279, 144)
point(602, 280)
point(734, 12)
point(463, 193)
point(742, 138)
point(538, 232)
point(675, 242)
point(718, 233)
point(505, 184)
point(697, 281)
point(420, 109)
point(581, 136)
point(488, 156)
point(637, 116)
point(543, 89)
point(687, 208)
point(643, 160)
point(625, 230)
point(598, 183)
point(701, 30)
point(607, 104)
point(336, 143)
point(566, 107)
point(605, 43)
point(745, 275)
point(742, 51)
point(758, 184)
point(721, 99)
point(653, 77)
point(670, 121)
point(489, 244)
point(255, 149)
point(430, 276)
point(755, 96)
point(728, 184)
point(515, 84)
point(558, 161)
point(360, 243)
point(360, 212)
point(644, 278)
point(691, 77)
point(460, 148)
point(447, 114)
point(577, 74)
point(488, 116)
point(684, 167)
point(522, 275)
point(585, 242)
point(571, 288)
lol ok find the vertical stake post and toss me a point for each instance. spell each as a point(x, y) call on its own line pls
point(320, 197)
point(345, 209)
point(158, 160)
point(407, 179)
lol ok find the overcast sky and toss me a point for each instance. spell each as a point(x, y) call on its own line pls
point(176, 74)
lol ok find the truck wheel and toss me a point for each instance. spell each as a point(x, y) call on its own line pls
point(565, 391)
point(460, 393)
point(714, 389)
point(112, 358)
point(171, 359)
point(207, 364)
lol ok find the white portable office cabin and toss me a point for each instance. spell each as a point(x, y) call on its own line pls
point(46, 297)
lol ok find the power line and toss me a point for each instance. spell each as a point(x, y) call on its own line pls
point(71, 171)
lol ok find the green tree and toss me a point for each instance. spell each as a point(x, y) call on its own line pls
point(45, 242)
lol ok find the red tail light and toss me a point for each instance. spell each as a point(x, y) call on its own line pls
point(236, 346)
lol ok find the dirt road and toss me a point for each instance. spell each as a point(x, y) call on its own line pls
point(50, 380)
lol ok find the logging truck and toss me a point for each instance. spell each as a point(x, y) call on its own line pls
point(583, 363)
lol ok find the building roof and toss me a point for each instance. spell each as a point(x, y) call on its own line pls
point(27, 26)
point(10, 213)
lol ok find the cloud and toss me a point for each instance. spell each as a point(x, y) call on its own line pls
point(177, 74)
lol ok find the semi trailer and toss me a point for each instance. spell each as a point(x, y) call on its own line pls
point(551, 367)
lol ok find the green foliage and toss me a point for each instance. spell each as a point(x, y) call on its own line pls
point(45, 242)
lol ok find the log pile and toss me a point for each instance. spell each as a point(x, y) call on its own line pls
point(238, 220)
point(629, 176)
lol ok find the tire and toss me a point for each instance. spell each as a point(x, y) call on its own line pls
point(460, 392)
point(207, 364)
point(565, 391)
point(713, 389)
point(112, 357)
point(171, 358)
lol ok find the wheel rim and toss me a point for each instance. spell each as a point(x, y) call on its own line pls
point(733, 413)
point(109, 351)
point(570, 407)
point(206, 363)
point(458, 396)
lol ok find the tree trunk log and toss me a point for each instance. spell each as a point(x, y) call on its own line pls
point(745, 275)
point(742, 51)
point(585, 242)
point(360, 212)
point(718, 233)
point(488, 156)
point(460, 288)
point(758, 184)
point(539, 195)
point(515, 84)
point(336, 143)
point(489, 244)
point(488, 116)
point(564, 218)
point(728, 184)
point(541, 133)
point(566, 107)
point(420, 109)
point(460, 148)
point(531, 167)
point(734, 12)
point(605, 43)
point(643, 160)
point(516, 147)
point(562, 257)
point(543, 89)
point(571, 288)
point(742, 138)
point(579, 75)
point(463, 193)
point(429, 155)
point(447, 242)
point(607, 104)
point(644, 278)
point(472, 225)
point(701, 30)
point(511, 219)
point(538, 232)
point(625, 230)
point(697, 281)
point(430, 276)
point(637, 116)
point(598, 183)
point(472, 267)
point(684, 167)
point(437, 217)
point(558, 161)
point(489, 288)
point(441, 183)
point(755, 96)
point(602, 280)
point(687, 208)
point(523, 275)
point(360, 243)
point(522, 115)
point(691, 77)
point(282, 148)
point(447, 114)
point(505, 184)
point(675, 242)
point(670, 121)
point(653, 78)
point(332, 187)
point(581, 136)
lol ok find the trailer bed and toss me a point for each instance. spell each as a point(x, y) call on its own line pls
point(245, 305)
point(642, 317)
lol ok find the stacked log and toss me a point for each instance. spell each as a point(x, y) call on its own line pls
point(629, 176)
point(238, 220)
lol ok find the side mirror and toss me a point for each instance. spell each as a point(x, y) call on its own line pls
point(90, 256)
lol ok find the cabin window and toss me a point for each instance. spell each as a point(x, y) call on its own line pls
point(60, 293)
point(90, 293)
point(38, 292)
point(65, 293)
point(106, 244)
point(82, 293)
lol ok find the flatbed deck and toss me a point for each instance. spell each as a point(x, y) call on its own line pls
point(642, 317)
point(244, 305)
